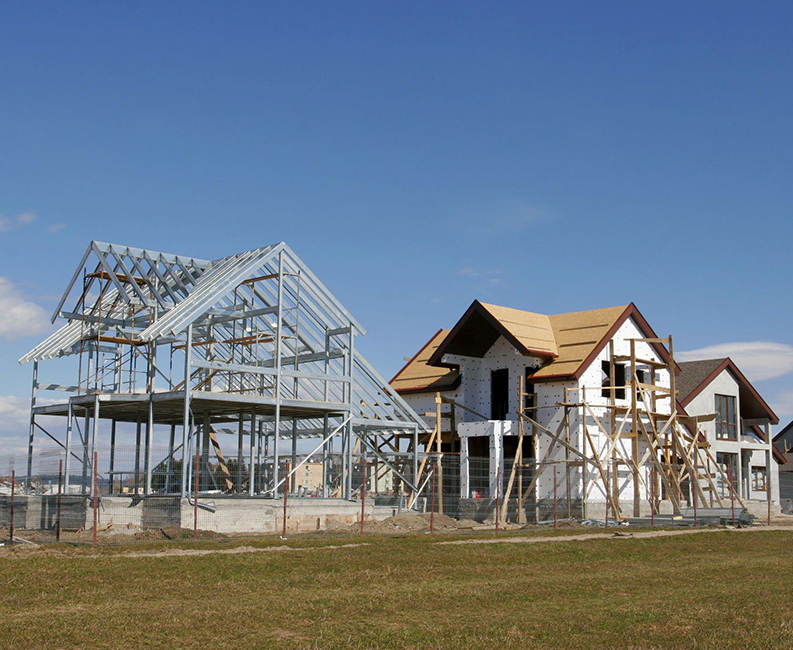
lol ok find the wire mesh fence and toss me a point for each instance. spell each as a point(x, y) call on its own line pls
point(123, 495)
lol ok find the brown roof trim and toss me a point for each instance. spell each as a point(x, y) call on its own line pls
point(728, 364)
point(478, 307)
point(413, 358)
point(630, 311)
point(778, 455)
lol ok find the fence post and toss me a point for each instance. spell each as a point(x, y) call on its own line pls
point(732, 494)
point(652, 496)
point(195, 498)
point(432, 501)
point(60, 492)
point(11, 530)
point(694, 486)
point(286, 497)
point(498, 493)
point(555, 502)
point(608, 482)
point(768, 495)
point(96, 483)
point(363, 492)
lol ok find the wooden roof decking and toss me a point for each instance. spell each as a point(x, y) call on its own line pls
point(418, 376)
point(577, 335)
point(569, 341)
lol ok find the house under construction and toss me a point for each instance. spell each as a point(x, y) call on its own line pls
point(247, 364)
point(587, 411)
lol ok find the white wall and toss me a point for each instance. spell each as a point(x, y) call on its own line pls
point(753, 450)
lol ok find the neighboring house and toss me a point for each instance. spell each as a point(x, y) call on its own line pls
point(740, 433)
point(579, 381)
point(783, 446)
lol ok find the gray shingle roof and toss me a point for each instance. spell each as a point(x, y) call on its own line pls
point(693, 373)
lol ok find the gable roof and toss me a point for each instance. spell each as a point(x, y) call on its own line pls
point(149, 296)
point(569, 342)
point(482, 324)
point(696, 375)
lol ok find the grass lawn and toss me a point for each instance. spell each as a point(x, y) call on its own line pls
point(720, 590)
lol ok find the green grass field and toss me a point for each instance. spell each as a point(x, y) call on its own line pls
point(720, 590)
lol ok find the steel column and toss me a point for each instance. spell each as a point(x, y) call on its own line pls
point(32, 427)
point(186, 413)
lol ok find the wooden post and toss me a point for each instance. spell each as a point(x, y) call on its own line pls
point(521, 431)
point(432, 502)
point(96, 485)
point(498, 490)
point(732, 494)
point(286, 496)
point(695, 478)
point(363, 490)
point(608, 470)
point(13, 490)
point(635, 433)
point(615, 482)
point(195, 495)
point(60, 491)
point(652, 496)
point(554, 499)
point(438, 440)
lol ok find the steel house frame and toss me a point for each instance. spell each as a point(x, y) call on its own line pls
point(249, 345)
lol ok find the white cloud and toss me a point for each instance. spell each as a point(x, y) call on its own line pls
point(22, 219)
point(19, 316)
point(758, 360)
point(56, 227)
point(14, 423)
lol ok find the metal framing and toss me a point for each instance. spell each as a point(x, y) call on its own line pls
point(251, 345)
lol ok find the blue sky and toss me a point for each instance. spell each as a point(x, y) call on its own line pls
point(547, 156)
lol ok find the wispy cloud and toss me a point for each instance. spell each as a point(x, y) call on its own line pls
point(492, 276)
point(56, 227)
point(8, 224)
point(18, 315)
point(758, 360)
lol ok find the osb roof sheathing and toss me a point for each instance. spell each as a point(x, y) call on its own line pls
point(418, 376)
point(577, 336)
point(532, 330)
point(573, 337)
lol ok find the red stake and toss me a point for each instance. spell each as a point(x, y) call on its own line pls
point(96, 500)
point(694, 486)
point(13, 481)
point(195, 498)
point(60, 492)
point(363, 493)
point(768, 493)
point(432, 502)
point(652, 496)
point(608, 482)
point(286, 496)
point(498, 493)
point(555, 502)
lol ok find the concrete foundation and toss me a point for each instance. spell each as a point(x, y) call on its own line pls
point(217, 514)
